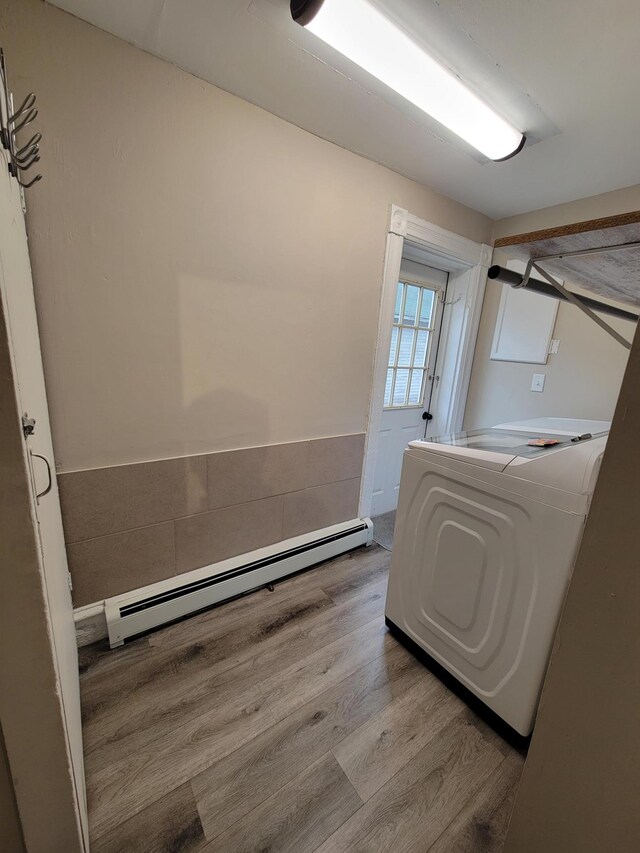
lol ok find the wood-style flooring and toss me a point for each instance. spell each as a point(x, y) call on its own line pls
point(288, 721)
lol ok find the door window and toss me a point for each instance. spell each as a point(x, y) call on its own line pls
point(413, 320)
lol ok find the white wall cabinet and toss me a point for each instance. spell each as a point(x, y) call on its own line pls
point(524, 325)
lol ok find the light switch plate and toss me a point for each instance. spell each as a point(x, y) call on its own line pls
point(555, 346)
point(537, 383)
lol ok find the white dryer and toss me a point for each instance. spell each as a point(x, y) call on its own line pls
point(486, 536)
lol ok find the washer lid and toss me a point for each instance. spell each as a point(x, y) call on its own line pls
point(481, 458)
point(494, 448)
point(487, 448)
point(558, 426)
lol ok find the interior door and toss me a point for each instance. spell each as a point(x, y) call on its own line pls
point(411, 375)
point(16, 291)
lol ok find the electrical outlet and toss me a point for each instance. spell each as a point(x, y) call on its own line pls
point(555, 346)
point(537, 383)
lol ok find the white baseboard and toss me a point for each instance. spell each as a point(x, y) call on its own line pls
point(91, 624)
point(141, 610)
point(91, 621)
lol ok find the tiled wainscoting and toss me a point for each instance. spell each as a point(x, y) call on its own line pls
point(131, 525)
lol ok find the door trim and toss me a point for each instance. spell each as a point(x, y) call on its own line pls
point(466, 262)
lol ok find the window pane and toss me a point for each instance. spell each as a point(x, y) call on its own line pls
point(411, 305)
point(396, 313)
point(387, 388)
point(426, 309)
point(406, 347)
point(408, 351)
point(393, 347)
point(400, 391)
point(421, 349)
point(415, 387)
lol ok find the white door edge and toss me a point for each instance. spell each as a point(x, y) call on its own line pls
point(49, 573)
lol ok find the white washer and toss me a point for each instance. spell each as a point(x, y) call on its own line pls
point(487, 532)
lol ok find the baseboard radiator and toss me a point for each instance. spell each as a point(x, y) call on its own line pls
point(149, 607)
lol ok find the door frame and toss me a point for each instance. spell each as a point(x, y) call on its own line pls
point(467, 263)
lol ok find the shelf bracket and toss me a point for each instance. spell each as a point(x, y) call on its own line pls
point(571, 297)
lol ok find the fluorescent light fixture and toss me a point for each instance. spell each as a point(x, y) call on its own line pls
point(362, 33)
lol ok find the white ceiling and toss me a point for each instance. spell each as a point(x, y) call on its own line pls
point(564, 71)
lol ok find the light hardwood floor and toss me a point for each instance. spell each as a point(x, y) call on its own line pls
point(288, 721)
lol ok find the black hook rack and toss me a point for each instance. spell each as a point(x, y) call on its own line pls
point(21, 157)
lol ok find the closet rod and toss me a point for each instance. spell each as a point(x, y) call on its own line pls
point(516, 279)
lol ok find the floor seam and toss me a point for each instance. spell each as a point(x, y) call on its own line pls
point(278, 721)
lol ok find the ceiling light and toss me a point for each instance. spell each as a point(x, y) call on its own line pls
point(362, 33)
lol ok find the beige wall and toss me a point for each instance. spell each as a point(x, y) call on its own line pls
point(10, 830)
point(582, 380)
point(207, 279)
point(207, 275)
point(579, 791)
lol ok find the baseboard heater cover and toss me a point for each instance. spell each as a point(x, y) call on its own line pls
point(149, 607)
